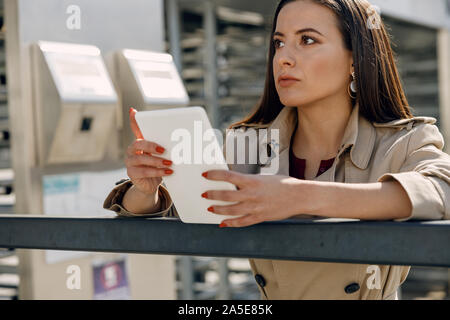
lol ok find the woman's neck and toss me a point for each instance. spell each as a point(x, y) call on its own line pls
point(321, 127)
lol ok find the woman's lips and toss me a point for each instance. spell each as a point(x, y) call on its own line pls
point(287, 83)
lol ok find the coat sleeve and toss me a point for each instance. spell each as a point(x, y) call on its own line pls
point(113, 202)
point(425, 174)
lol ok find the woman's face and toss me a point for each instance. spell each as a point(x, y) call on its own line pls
point(315, 55)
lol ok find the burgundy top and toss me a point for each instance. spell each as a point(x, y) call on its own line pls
point(297, 166)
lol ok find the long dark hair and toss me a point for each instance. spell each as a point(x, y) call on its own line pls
point(380, 93)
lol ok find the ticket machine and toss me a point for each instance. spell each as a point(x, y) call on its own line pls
point(147, 80)
point(75, 103)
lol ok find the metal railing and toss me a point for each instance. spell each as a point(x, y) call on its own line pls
point(415, 243)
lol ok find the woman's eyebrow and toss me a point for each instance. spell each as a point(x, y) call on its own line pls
point(299, 32)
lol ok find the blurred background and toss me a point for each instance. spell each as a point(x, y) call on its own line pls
point(87, 61)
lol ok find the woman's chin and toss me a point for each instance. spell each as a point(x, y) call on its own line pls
point(291, 102)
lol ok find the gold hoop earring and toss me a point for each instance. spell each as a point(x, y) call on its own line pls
point(352, 87)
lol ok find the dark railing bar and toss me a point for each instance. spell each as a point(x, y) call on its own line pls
point(418, 243)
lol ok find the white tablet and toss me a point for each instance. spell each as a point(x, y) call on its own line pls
point(192, 145)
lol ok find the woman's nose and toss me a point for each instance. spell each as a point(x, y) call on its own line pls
point(284, 57)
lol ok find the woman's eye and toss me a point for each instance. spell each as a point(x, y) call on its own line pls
point(305, 40)
point(308, 40)
point(276, 43)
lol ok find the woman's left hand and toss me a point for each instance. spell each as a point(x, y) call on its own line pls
point(260, 197)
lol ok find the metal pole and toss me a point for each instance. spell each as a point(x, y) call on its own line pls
point(224, 283)
point(187, 278)
point(20, 111)
point(210, 79)
point(444, 83)
point(328, 240)
point(186, 268)
point(173, 17)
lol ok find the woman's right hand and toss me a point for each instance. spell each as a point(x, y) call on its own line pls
point(143, 168)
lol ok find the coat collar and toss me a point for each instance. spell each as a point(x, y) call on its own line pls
point(359, 134)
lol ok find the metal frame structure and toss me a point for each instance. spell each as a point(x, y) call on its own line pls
point(418, 243)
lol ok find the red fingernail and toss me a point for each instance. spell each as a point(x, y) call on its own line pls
point(205, 174)
point(131, 109)
point(223, 225)
point(168, 171)
point(204, 195)
point(167, 162)
point(211, 209)
point(160, 149)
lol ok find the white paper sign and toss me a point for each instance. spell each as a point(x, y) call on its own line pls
point(77, 194)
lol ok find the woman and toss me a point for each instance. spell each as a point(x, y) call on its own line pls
point(349, 147)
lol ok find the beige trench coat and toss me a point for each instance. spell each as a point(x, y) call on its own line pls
point(407, 150)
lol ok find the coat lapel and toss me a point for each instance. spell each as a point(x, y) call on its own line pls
point(359, 135)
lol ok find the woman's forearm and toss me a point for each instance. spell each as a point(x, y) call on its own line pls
point(367, 201)
point(140, 203)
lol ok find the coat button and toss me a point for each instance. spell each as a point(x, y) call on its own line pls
point(352, 288)
point(260, 280)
